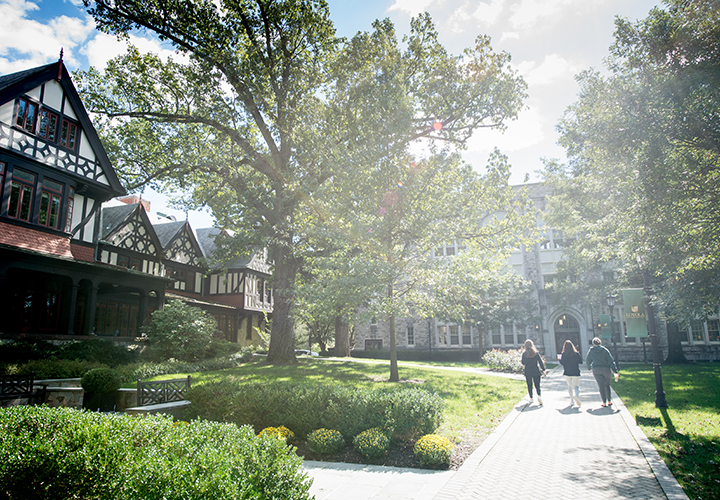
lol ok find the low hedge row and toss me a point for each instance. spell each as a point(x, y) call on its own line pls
point(406, 413)
point(60, 453)
point(70, 368)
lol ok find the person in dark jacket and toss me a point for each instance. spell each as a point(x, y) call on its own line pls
point(534, 368)
point(571, 360)
point(602, 364)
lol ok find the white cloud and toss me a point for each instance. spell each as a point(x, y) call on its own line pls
point(26, 43)
point(488, 13)
point(105, 47)
point(529, 12)
point(553, 68)
point(412, 7)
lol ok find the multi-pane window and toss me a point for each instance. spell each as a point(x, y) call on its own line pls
point(47, 127)
point(68, 134)
point(521, 337)
point(495, 333)
point(129, 262)
point(50, 199)
point(466, 336)
point(410, 332)
point(449, 249)
point(713, 326)
point(509, 340)
point(696, 327)
point(26, 114)
point(21, 194)
point(454, 335)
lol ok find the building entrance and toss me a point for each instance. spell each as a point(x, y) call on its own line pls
point(566, 328)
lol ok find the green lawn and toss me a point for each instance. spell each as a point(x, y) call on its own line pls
point(687, 433)
point(475, 403)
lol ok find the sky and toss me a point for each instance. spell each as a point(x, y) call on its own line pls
point(550, 41)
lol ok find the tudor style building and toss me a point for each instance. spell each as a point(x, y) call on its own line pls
point(54, 177)
point(76, 261)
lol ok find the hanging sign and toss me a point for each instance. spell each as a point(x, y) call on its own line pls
point(634, 309)
point(605, 331)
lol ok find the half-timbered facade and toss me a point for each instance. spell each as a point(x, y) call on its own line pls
point(54, 177)
point(241, 283)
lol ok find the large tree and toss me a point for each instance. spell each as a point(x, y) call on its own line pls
point(268, 107)
point(640, 189)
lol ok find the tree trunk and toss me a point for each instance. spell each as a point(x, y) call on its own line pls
point(675, 355)
point(394, 375)
point(342, 337)
point(282, 332)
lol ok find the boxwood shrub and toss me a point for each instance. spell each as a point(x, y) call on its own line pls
point(406, 413)
point(56, 453)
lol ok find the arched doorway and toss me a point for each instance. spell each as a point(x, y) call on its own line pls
point(566, 328)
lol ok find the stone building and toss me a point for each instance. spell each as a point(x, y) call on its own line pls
point(551, 322)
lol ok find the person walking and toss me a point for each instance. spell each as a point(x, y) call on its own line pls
point(602, 364)
point(571, 360)
point(534, 368)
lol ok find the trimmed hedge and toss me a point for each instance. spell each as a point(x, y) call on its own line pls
point(407, 413)
point(504, 361)
point(58, 453)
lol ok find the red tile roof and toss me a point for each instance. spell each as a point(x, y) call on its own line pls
point(31, 239)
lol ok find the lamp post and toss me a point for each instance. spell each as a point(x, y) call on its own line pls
point(660, 400)
point(611, 304)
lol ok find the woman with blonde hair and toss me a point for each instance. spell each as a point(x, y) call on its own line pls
point(534, 368)
point(571, 360)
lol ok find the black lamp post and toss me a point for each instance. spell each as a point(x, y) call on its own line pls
point(611, 304)
point(660, 400)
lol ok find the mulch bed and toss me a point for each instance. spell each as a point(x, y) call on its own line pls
point(397, 456)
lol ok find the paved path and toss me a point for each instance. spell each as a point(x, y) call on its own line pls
point(553, 451)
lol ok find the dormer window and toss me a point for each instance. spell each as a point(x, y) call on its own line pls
point(50, 125)
point(27, 111)
point(68, 134)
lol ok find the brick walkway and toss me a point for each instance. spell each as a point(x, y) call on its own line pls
point(552, 451)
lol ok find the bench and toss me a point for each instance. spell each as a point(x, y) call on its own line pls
point(21, 387)
point(161, 396)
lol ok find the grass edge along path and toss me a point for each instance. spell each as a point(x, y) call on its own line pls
point(687, 433)
point(476, 403)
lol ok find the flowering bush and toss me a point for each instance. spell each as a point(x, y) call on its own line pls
point(372, 443)
point(281, 432)
point(325, 441)
point(433, 451)
point(504, 361)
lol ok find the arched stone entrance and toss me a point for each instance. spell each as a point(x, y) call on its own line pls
point(566, 327)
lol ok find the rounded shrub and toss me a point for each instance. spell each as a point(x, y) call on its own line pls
point(325, 441)
point(432, 450)
point(52, 453)
point(372, 443)
point(281, 432)
point(101, 380)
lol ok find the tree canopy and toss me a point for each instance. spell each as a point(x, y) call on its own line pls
point(640, 188)
point(268, 116)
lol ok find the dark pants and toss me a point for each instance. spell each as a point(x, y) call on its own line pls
point(533, 379)
point(603, 375)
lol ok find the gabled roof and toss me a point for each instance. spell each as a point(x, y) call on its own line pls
point(115, 219)
point(206, 238)
point(168, 231)
point(21, 82)
point(179, 237)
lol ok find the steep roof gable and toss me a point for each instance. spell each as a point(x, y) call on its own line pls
point(17, 84)
point(179, 243)
point(128, 227)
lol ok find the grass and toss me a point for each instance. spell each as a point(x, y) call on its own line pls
point(687, 433)
point(475, 403)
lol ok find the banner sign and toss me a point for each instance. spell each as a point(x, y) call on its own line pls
point(634, 308)
point(605, 326)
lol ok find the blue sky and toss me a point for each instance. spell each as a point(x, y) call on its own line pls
point(550, 41)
